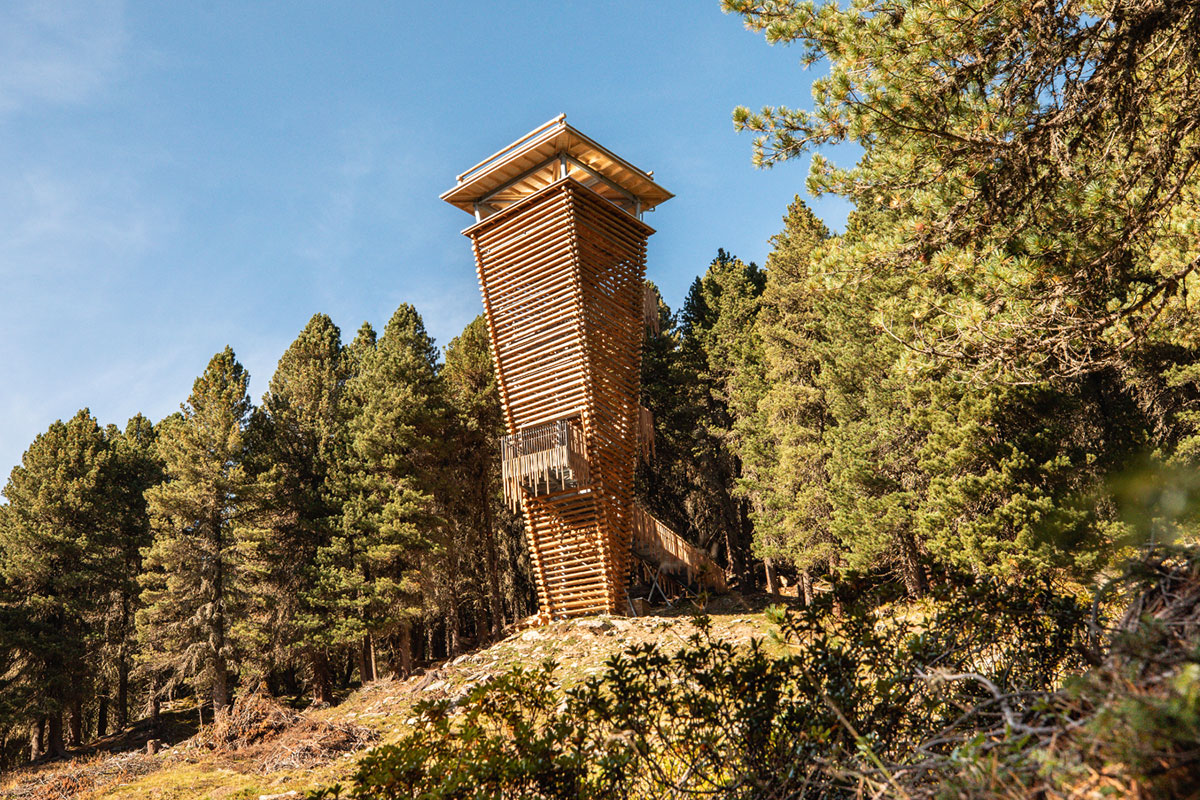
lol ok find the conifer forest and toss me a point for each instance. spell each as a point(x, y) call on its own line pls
point(952, 450)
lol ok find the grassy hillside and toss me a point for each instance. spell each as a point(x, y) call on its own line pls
point(267, 749)
point(984, 689)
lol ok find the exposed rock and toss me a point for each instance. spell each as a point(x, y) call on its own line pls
point(427, 679)
point(594, 624)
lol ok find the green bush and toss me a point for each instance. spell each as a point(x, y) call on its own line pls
point(852, 696)
point(1127, 727)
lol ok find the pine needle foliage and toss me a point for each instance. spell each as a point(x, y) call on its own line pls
point(201, 514)
point(1039, 159)
point(390, 519)
point(486, 533)
point(1002, 331)
point(296, 435)
point(851, 698)
point(57, 559)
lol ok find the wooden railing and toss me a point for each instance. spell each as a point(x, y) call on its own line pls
point(655, 542)
point(496, 156)
point(543, 459)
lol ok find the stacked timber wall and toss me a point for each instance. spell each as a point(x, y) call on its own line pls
point(562, 279)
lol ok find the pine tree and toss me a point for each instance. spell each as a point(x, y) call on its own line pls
point(1037, 162)
point(298, 429)
point(716, 342)
point(778, 431)
point(662, 483)
point(342, 582)
point(390, 521)
point(13, 719)
point(55, 556)
point(134, 469)
point(192, 583)
point(475, 502)
point(1003, 327)
point(884, 463)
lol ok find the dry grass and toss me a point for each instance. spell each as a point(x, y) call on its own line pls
point(270, 736)
point(77, 777)
point(264, 747)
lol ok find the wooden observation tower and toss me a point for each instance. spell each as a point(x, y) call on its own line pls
point(560, 248)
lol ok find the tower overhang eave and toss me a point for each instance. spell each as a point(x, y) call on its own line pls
point(544, 156)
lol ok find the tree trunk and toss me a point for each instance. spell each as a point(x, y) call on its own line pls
point(54, 737)
point(834, 563)
point(133, 565)
point(102, 717)
point(320, 676)
point(366, 668)
point(366, 660)
point(220, 687)
point(735, 539)
point(482, 632)
point(404, 652)
point(911, 567)
point(495, 599)
point(806, 587)
point(746, 540)
point(122, 715)
point(76, 723)
point(453, 630)
point(37, 739)
point(772, 578)
point(732, 556)
point(155, 708)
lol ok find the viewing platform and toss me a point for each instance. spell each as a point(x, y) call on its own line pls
point(543, 459)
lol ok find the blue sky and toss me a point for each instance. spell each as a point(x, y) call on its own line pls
point(175, 177)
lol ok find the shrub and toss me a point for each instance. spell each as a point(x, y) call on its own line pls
point(846, 706)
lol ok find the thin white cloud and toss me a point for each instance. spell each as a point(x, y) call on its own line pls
point(57, 51)
point(73, 247)
point(53, 221)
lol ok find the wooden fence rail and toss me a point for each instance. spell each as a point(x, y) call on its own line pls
point(655, 542)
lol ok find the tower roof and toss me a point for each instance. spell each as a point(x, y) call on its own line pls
point(545, 155)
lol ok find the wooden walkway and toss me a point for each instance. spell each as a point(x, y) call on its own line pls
point(661, 546)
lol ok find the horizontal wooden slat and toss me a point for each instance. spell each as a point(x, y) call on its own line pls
point(562, 275)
